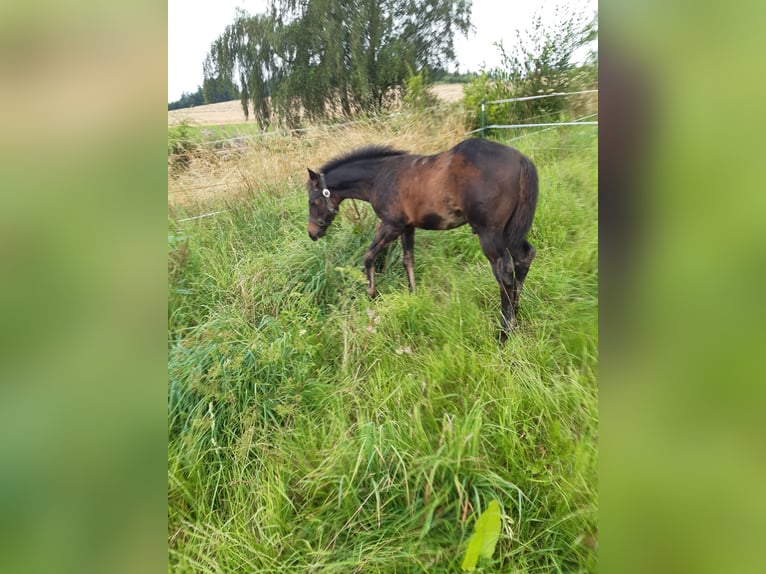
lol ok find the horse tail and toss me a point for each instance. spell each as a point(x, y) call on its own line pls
point(521, 219)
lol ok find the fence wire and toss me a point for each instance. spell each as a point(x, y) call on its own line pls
point(582, 121)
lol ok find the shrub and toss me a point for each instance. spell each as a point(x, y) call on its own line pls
point(541, 62)
point(183, 144)
point(417, 97)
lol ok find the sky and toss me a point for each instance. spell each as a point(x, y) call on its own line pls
point(193, 25)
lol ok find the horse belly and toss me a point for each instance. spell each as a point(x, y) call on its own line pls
point(455, 219)
point(448, 218)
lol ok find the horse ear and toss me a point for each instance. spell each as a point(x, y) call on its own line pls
point(313, 176)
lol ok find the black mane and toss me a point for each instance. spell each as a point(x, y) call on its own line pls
point(368, 152)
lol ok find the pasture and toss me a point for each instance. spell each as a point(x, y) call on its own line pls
point(312, 429)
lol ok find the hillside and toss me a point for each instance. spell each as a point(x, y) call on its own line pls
point(231, 112)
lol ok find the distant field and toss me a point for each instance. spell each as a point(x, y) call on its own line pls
point(231, 112)
point(312, 429)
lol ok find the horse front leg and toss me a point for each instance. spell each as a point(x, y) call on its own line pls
point(385, 234)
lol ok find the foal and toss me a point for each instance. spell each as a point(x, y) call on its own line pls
point(490, 186)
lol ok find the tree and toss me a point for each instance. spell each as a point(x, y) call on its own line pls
point(323, 57)
point(217, 87)
point(188, 100)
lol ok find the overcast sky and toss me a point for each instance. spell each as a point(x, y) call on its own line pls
point(194, 24)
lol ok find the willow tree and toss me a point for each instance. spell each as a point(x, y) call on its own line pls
point(322, 57)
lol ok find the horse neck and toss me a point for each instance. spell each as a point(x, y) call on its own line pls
point(354, 180)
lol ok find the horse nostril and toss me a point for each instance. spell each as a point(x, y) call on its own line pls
point(313, 237)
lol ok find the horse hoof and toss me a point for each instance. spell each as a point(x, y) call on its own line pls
point(506, 330)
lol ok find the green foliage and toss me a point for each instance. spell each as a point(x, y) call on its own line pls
point(219, 89)
point(444, 77)
point(541, 62)
point(213, 90)
point(484, 538)
point(313, 429)
point(416, 93)
point(484, 87)
point(183, 142)
point(330, 57)
point(187, 100)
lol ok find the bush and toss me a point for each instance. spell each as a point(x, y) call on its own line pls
point(417, 97)
point(485, 87)
point(183, 144)
point(540, 63)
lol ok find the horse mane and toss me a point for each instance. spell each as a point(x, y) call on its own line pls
point(368, 152)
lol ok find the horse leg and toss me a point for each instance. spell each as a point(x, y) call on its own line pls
point(502, 266)
point(522, 259)
point(380, 260)
point(408, 256)
point(383, 236)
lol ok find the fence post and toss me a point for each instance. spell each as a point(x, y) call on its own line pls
point(482, 118)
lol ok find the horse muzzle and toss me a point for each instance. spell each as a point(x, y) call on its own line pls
point(315, 231)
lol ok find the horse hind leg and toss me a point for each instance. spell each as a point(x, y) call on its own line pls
point(502, 267)
point(408, 257)
point(522, 259)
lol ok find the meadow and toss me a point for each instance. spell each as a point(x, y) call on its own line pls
point(312, 429)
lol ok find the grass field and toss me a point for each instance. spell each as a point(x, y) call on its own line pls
point(314, 430)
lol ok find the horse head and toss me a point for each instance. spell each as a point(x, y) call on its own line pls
point(323, 207)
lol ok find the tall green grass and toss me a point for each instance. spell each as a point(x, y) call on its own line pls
point(312, 429)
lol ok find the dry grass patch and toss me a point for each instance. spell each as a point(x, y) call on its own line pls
point(276, 163)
